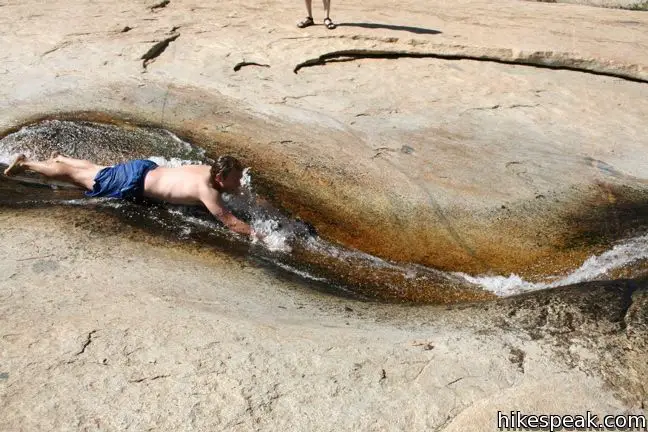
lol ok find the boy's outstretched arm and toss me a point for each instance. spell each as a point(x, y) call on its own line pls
point(212, 200)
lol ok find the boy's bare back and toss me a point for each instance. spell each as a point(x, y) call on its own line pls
point(182, 185)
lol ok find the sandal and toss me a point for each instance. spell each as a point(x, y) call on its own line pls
point(329, 24)
point(307, 22)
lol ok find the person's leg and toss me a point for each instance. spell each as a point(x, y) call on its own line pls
point(76, 163)
point(328, 22)
point(83, 177)
point(327, 8)
point(308, 21)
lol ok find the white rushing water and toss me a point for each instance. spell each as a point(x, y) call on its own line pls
point(172, 162)
point(595, 267)
point(7, 157)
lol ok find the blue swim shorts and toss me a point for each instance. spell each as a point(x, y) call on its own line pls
point(124, 180)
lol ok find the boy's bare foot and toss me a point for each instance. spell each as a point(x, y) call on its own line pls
point(16, 166)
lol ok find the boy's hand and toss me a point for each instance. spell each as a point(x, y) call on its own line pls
point(256, 234)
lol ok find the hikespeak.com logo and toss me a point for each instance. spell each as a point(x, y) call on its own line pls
point(516, 420)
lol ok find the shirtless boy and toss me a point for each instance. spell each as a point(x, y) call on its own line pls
point(188, 185)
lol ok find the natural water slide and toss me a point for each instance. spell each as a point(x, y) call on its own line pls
point(457, 226)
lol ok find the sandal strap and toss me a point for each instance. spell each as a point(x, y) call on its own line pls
point(308, 21)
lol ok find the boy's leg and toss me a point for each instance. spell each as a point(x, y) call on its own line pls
point(77, 163)
point(83, 177)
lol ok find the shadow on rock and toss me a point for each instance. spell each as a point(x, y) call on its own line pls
point(417, 30)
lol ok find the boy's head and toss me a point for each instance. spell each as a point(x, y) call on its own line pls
point(226, 174)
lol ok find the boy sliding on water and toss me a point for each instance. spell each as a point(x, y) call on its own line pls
point(187, 185)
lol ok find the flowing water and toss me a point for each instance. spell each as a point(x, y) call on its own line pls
point(290, 245)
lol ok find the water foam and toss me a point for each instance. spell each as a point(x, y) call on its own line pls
point(204, 223)
point(303, 274)
point(6, 157)
point(187, 146)
point(277, 231)
point(595, 267)
point(172, 162)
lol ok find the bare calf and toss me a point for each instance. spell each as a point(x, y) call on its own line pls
point(76, 171)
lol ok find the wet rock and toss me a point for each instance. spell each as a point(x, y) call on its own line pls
point(592, 307)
